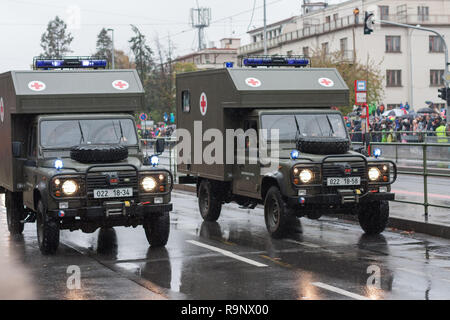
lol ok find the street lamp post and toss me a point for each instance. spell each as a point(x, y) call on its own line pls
point(112, 44)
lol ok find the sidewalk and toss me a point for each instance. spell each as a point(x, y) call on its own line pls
point(409, 218)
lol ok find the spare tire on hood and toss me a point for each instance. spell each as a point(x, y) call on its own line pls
point(99, 153)
point(323, 145)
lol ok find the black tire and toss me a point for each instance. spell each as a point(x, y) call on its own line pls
point(276, 215)
point(323, 145)
point(47, 231)
point(209, 203)
point(157, 230)
point(373, 217)
point(14, 212)
point(99, 153)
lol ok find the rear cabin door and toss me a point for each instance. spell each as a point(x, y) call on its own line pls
point(30, 168)
point(246, 174)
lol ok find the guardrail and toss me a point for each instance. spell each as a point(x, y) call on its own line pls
point(425, 172)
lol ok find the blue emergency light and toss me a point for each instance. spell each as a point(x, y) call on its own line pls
point(276, 61)
point(70, 63)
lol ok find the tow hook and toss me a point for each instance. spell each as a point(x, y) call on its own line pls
point(31, 217)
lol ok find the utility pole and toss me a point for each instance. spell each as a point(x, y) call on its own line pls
point(265, 29)
point(112, 44)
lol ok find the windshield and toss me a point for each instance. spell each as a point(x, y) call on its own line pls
point(310, 125)
point(69, 133)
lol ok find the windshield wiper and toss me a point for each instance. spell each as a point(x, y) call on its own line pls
point(121, 131)
point(331, 127)
point(298, 133)
point(81, 131)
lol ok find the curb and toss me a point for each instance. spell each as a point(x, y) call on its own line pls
point(431, 229)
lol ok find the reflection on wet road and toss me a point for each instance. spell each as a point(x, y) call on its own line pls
point(233, 258)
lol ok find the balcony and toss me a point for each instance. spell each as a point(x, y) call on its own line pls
point(309, 30)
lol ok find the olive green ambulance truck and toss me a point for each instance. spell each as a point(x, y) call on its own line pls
point(307, 168)
point(70, 155)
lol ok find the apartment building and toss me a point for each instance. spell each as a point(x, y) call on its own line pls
point(411, 61)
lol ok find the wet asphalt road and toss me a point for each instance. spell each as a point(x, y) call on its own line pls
point(231, 259)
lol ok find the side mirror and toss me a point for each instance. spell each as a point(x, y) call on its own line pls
point(159, 146)
point(16, 149)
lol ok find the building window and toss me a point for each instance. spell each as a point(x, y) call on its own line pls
point(185, 101)
point(422, 13)
point(325, 48)
point(392, 43)
point(289, 53)
point(391, 106)
point(335, 16)
point(343, 45)
point(255, 39)
point(393, 78)
point(436, 44)
point(384, 12)
point(305, 51)
point(327, 19)
point(436, 77)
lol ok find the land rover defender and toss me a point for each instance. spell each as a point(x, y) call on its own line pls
point(71, 158)
point(311, 169)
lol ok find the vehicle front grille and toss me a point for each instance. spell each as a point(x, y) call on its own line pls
point(335, 170)
point(98, 180)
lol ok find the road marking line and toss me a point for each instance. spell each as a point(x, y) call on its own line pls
point(340, 291)
point(306, 244)
point(227, 253)
point(423, 274)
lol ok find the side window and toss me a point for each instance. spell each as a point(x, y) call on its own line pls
point(32, 142)
point(250, 124)
point(185, 101)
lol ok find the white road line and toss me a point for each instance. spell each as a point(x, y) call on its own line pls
point(306, 244)
point(227, 253)
point(423, 274)
point(340, 291)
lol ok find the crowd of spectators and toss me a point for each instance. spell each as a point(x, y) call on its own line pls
point(401, 125)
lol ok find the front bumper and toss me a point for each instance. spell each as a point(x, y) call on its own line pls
point(337, 199)
point(116, 210)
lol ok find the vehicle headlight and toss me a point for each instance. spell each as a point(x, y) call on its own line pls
point(374, 174)
point(306, 175)
point(148, 184)
point(69, 187)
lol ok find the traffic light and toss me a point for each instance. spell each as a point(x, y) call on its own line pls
point(443, 93)
point(368, 22)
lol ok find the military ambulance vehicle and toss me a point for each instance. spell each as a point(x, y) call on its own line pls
point(70, 155)
point(315, 170)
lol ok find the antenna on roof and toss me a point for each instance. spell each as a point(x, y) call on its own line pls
point(200, 19)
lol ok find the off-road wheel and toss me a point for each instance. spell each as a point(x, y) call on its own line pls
point(99, 153)
point(157, 230)
point(323, 145)
point(14, 212)
point(373, 216)
point(47, 231)
point(276, 214)
point(209, 202)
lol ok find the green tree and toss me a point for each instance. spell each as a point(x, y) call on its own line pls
point(56, 40)
point(104, 45)
point(350, 71)
point(143, 54)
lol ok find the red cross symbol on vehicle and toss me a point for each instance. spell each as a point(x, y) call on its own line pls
point(203, 104)
point(36, 85)
point(253, 82)
point(325, 82)
point(120, 84)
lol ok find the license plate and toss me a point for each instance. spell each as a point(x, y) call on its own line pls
point(113, 193)
point(347, 181)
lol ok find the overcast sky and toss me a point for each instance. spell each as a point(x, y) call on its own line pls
point(22, 23)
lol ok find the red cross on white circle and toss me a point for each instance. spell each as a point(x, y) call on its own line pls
point(2, 110)
point(36, 85)
point(325, 82)
point(203, 103)
point(120, 85)
point(253, 82)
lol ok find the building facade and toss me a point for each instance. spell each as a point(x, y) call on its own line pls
point(411, 61)
point(212, 58)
